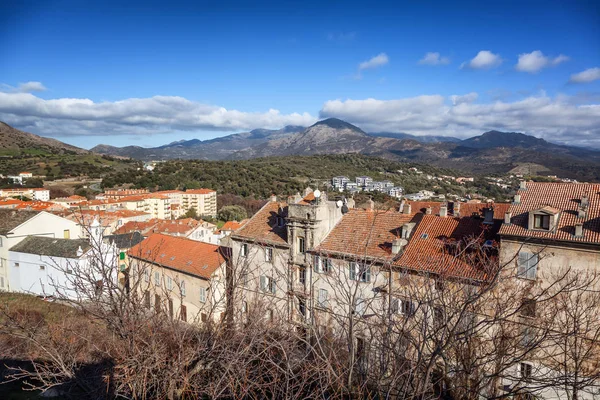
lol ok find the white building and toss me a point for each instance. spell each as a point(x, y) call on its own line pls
point(363, 181)
point(32, 193)
point(15, 226)
point(339, 182)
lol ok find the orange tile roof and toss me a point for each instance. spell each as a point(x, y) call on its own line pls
point(466, 209)
point(135, 226)
point(36, 205)
point(565, 197)
point(231, 226)
point(10, 203)
point(262, 227)
point(181, 254)
point(438, 246)
point(366, 233)
point(308, 199)
point(199, 191)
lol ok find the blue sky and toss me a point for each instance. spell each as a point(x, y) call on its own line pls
point(147, 73)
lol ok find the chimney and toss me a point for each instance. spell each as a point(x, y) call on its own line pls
point(507, 217)
point(371, 204)
point(407, 209)
point(273, 197)
point(581, 212)
point(443, 211)
point(457, 209)
point(396, 246)
point(428, 210)
point(517, 199)
point(523, 185)
point(585, 201)
point(402, 204)
point(579, 230)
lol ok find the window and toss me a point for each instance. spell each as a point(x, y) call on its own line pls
point(16, 264)
point(360, 272)
point(171, 308)
point(302, 275)
point(183, 313)
point(359, 306)
point(244, 278)
point(42, 267)
point(527, 336)
point(182, 288)
point(528, 308)
point(169, 283)
point(526, 370)
point(280, 221)
point(438, 316)
point(301, 245)
point(269, 315)
point(147, 275)
point(203, 317)
point(147, 299)
point(202, 295)
point(157, 306)
point(302, 306)
point(269, 254)
point(322, 298)
point(541, 221)
point(403, 307)
point(322, 264)
point(267, 284)
point(527, 265)
point(67, 234)
point(157, 278)
point(244, 250)
point(122, 267)
point(244, 307)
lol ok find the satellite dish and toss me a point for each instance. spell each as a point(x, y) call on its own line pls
point(317, 193)
point(339, 203)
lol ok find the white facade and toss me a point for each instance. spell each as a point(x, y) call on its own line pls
point(42, 224)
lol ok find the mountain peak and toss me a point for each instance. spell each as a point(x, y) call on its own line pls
point(336, 123)
point(503, 139)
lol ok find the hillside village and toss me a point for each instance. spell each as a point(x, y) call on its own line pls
point(310, 259)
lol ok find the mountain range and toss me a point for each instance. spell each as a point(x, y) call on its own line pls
point(491, 152)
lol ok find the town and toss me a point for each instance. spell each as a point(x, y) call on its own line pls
point(318, 261)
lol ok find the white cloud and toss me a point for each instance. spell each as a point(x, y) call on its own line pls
point(466, 98)
point(485, 59)
point(375, 62)
point(556, 119)
point(434, 59)
point(26, 87)
point(156, 114)
point(536, 60)
point(589, 75)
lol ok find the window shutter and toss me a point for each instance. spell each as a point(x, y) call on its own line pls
point(328, 265)
point(273, 286)
point(367, 273)
point(395, 307)
point(263, 283)
point(317, 262)
point(522, 264)
point(532, 267)
point(352, 271)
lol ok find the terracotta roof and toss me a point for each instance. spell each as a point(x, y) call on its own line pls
point(135, 226)
point(366, 233)
point(199, 191)
point(308, 199)
point(51, 247)
point(10, 219)
point(181, 254)
point(10, 203)
point(37, 205)
point(438, 246)
point(231, 226)
point(466, 209)
point(263, 225)
point(566, 198)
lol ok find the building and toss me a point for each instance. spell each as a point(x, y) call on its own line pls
point(116, 194)
point(339, 182)
point(183, 278)
point(10, 203)
point(395, 191)
point(363, 181)
point(203, 200)
point(40, 194)
point(188, 227)
point(15, 226)
point(157, 205)
point(41, 265)
point(69, 202)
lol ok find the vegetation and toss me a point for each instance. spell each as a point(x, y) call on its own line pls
point(259, 178)
point(58, 166)
point(232, 213)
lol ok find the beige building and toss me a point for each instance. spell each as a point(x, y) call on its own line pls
point(183, 278)
point(157, 205)
point(203, 200)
